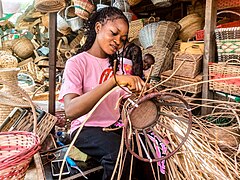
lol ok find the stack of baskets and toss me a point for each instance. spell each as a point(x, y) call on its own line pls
point(187, 67)
point(228, 66)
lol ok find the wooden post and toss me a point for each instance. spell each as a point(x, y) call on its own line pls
point(52, 61)
point(209, 48)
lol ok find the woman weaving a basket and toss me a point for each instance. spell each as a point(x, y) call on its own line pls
point(87, 78)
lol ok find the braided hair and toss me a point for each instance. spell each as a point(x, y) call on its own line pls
point(102, 16)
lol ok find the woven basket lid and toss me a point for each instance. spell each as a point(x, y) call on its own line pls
point(49, 5)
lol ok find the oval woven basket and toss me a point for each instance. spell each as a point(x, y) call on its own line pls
point(23, 48)
point(49, 5)
point(17, 147)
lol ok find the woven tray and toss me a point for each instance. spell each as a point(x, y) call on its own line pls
point(225, 70)
point(177, 81)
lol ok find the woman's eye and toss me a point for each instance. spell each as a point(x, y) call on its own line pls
point(114, 33)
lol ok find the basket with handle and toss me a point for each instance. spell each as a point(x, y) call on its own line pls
point(17, 147)
point(228, 69)
point(49, 5)
point(191, 64)
point(228, 41)
point(23, 47)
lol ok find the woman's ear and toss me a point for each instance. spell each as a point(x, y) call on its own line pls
point(98, 27)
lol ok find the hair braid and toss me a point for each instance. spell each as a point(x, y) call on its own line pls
point(102, 16)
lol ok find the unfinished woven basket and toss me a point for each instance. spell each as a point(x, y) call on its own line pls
point(49, 5)
point(17, 148)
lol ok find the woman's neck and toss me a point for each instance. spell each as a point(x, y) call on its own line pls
point(97, 52)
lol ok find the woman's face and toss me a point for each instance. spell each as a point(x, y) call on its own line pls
point(111, 35)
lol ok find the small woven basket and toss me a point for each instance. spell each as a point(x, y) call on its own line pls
point(228, 69)
point(23, 48)
point(49, 5)
point(17, 148)
point(83, 8)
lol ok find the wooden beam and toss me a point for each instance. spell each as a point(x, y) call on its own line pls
point(209, 47)
point(52, 61)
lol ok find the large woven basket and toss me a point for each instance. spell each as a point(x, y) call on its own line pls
point(17, 148)
point(228, 69)
point(49, 5)
point(166, 34)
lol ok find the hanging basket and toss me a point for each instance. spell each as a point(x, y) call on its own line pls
point(83, 8)
point(17, 147)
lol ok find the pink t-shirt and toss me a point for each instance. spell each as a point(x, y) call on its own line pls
point(83, 73)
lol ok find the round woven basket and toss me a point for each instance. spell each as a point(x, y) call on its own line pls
point(8, 61)
point(189, 25)
point(23, 48)
point(17, 147)
point(49, 5)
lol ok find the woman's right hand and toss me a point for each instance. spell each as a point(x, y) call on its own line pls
point(133, 83)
